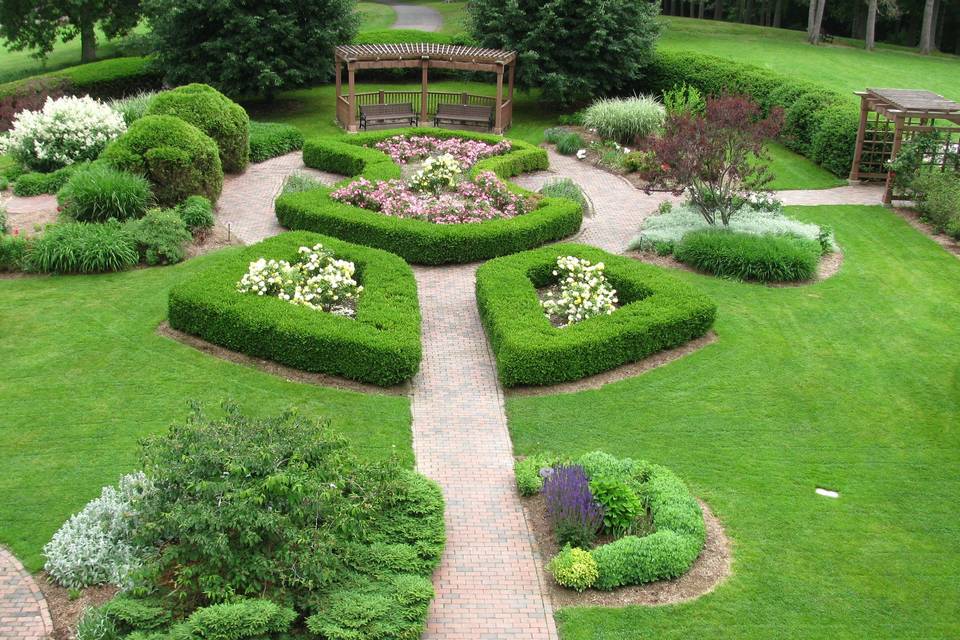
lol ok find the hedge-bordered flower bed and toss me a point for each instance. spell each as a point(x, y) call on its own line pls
point(419, 241)
point(679, 532)
point(657, 312)
point(381, 345)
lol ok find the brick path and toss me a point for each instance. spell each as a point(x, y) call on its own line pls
point(23, 611)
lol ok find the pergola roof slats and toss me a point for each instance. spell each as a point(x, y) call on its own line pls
point(414, 50)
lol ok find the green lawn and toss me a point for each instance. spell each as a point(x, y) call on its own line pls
point(376, 16)
point(852, 384)
point(793, 171)
point(85, 375)
point(454, 14)
point(20, 64)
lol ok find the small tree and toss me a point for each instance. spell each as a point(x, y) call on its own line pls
point(572, 49)
point(718, 156)
point(249, 48)
point(38, 24)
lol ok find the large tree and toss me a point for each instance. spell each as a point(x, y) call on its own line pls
point(249, 48)
point(38, 24)
point(926, 29)
point(572, 49)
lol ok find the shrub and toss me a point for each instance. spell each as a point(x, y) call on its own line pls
point(95, 625)
point(600, 465)
point(381, 345)
point(744, 256)
point(197, 213)
point(658, 312)
point(639, 161)
point(529, 473)
point(3, 220)
point(684, 99)
point(271, 139)
point(29, 95)
point(621, 506)
point(213, 113)
point(133, 107)
point(66, 130)
point(553, 134)
point(13, 250)
point(100, 192)
point(35, 183)
point(575, 515)
point(161, 236)
point(625, 120)
point(95, 546)
point(132, 614)
point(240, 620)
point(177, 158)
point(569, 143)
point(584, 292)
point(82, 247)
point(300, 182)
point(564, 188)
point(938, 199)
point(574, 568)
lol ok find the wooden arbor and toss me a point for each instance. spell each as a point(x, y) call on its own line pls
point(890, 117)
point(424, 56)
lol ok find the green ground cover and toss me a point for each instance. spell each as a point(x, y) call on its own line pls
point(850, 384)
point(375, 16)
point(792, 171)
point(21, 64)
point(85, 376)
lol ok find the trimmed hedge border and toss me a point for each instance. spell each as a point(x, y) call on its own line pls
point(819, 123)
point(111, 78)
point(659, 312)
point(273, 139)
point(419, 241)
point(380, 346)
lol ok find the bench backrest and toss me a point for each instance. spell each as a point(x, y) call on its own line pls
point(401, 109)
point(444, 109)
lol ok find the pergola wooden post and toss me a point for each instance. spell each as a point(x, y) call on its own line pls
point(352, 101)
point(424, 89)
point(498, 113)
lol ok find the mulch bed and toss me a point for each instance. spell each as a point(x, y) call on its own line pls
point(914, 220)
point(712, 567)
point(66, 611)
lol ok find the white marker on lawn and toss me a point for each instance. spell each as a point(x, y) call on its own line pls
point(827, 492)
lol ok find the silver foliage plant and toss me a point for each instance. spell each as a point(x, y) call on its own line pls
point(95, 545)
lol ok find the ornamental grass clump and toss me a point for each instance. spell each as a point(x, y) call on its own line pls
point(576, 516)
point(316, 280)
point(583, 292)
point(625, 120)
point(99, 192)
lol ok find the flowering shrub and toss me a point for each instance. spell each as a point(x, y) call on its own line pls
point(64, 131)
point(316, 280)
point(584, 291)
point(403, 149)
point(576, 516)
point(95, 545)
point(485, 197)
point(438, 173)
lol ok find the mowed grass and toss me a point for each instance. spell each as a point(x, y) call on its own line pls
point(852, 384)
point(454, 14)
point(21, 64)
point(793, 171)
point(375, 16)
point(85, 375)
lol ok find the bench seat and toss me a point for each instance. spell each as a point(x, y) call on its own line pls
point(387, 114)
point(466, 114)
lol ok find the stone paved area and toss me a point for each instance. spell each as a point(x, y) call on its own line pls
point(23, 611)
point(412, 16)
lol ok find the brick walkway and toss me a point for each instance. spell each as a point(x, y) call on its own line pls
point(23, 611)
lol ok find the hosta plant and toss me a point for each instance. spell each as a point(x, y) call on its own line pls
point(584, 291)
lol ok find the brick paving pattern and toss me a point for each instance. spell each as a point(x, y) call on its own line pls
point(23, 611)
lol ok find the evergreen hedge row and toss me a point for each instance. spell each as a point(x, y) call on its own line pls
point(111, 78)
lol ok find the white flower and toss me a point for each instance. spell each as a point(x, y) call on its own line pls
point(584, 291)
point(581, 154)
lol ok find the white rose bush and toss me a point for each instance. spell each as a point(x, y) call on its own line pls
point(584, 291)
point(438, 173)
point(66, 130)
point(316, 280)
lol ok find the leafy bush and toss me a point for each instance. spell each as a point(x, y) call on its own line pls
point(574, 568)
point(553, 134)
point(639, 161)
point(128, 614)
point(133, 107)
point(213, 113)
point(66, 130)
point(938, 199)
point(3, 220)
point(240, 620)
point(529, 473)
point(177, 158)
point(564, 188)
point(381, 345)
point(28, 95)
point(684, 99)
point(621, 506)
point(161, 236)
point(13, 250)
point(569, 143)
point(95, 546)
point(36, 183)
point(625, 120)
point(658, 312)
point(197, 213)
point(300, 182)
point(576, 516)
point(82, 247)
point(95, 625)
point(271, 139)
point(745, 256)
point(600, 465)
point(100, 192)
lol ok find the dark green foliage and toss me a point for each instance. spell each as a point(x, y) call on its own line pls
point(197, 213)
point(395, 36)
point(177, 158)
point(240, 620)
point(13, 249)
point(246, 49)
point(161, 236)
point(744, 256)
point(100, 192)
point(621, 506)
point(659, 312)
point(419, 241)
point(35, 184)
point(112, 78)
point(380, 346)
point(129, 614)
point(82, 247)
point(572, 49)
point(938, 199)
point(570, 143)
point(213, 113)
point(272, 139)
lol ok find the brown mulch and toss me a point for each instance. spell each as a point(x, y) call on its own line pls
point(273, 368)
point(215, 239)
point(914, 220)
point(66, 612)
point(712, 567)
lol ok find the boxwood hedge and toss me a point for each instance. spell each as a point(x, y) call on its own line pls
point(419, 241)
point(381, 345)
point(112, 78)
point(272, 139)
point(658, 312)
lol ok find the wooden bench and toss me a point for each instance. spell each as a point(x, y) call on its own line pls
point(464, 114)
point(825, 37)
point(387, 114)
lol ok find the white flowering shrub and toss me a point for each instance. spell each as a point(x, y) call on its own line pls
point(438, 173)
point(584, 291)
point(315, 280)
point(95, 545)
point(66, 130)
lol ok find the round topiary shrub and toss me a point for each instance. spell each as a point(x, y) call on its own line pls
point(176, 157)
point(574, 568)
point(100, 192)
point(213, 113)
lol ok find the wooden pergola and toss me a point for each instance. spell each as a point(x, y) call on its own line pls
point(424, 56)
point(890, 117)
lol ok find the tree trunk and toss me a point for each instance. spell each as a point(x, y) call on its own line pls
point(88, 41)
point(778, 14)
point(871, 34)
point(818, 22)
point(941, 19)
point(673, 7)
point(748, 17)
point(926, 29)
point(718, 10)
point(703, 6)
point(811, 18)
